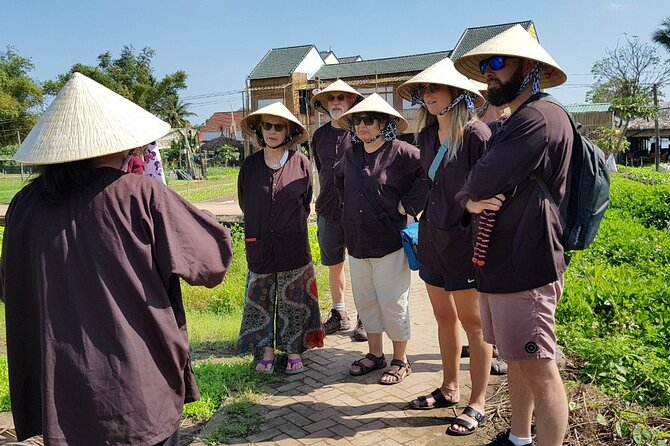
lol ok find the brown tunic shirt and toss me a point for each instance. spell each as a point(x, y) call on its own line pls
point(276, 204)
point(328, 145)
point(96, 330)
point(391, 174)
point(445, 237)
point(525, 250)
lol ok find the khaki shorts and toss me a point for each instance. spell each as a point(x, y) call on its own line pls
point(522, 324)
point(381, 294)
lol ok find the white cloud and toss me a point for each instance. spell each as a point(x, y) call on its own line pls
point(617, 6)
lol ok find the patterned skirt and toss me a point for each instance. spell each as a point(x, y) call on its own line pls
point(285, 303)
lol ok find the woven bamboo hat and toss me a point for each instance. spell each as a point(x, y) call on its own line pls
point(87, 120)
point(442, 73)
point(373, 104)
point(514, 42)
point(320, 100)
point(251, 123)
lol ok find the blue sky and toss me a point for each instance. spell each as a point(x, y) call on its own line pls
point(218, 43)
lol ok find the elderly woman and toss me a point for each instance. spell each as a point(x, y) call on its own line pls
point(382, 184)
point(275, 192)
point(451, 141)
point(91, 264)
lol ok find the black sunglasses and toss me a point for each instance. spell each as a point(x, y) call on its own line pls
point(268, 126)
point(431, 88)
point(494, 62)
point(365, 119)
point(339, 97)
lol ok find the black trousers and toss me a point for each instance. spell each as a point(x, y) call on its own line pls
point(172, 440)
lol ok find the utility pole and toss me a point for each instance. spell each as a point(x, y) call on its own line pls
point(657, 155)
point(18, 137)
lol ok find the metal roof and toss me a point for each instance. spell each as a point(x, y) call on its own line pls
point(280, 62)
point(402, 64)
point(473, 37)
point(589, 108)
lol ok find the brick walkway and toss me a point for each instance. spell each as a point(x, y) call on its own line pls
point(325, 405)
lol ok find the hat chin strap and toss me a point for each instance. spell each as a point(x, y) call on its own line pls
point(379, 135)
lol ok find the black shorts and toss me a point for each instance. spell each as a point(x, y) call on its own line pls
point(331, 241)
point(436, 280)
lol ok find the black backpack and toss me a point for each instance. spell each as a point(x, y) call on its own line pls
point(589, 189)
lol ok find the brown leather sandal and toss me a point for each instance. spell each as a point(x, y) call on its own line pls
point(404, 369)
point(377, 363)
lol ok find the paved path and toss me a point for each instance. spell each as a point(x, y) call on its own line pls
point(327, 406)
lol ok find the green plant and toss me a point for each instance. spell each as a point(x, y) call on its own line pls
point(220, 380)
point(4, 382)
point(240, 418)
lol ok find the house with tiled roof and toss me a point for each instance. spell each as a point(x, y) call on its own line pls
point(225, 124)
point(292, 74)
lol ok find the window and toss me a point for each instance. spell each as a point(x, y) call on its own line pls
point(267, 101)
point(385, 91)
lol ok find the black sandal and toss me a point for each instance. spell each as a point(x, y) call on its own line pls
point(472, 413)
point(439, 401)
point(404, 370)
point(377, 363)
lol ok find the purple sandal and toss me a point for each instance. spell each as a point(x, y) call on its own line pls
point(265, 363)
point(294, 361)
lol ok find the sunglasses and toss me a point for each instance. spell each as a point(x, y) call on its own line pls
point(430, 88)
point(494, 62)
point(365, 119)
point(339, 97)
point(278, 127)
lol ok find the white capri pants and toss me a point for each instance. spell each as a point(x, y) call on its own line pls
point(381, 294)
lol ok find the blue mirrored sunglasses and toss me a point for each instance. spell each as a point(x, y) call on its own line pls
point(494, 62)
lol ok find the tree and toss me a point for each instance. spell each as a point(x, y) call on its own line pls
point(625, 78)
point(20, 96)
point(175, 111)
point(662, 34)
point(131, 76)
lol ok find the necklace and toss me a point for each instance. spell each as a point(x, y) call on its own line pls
point(279, 162)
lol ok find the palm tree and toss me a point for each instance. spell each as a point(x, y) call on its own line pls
point(662, 34)
point(175, 111)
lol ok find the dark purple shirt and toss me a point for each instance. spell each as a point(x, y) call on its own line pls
point(328, 145)
point(276, 204)
point(525, 250)
point(445, 237)
point(96, 329)
point(391, 174)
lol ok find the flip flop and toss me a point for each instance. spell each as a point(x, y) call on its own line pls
point(294, 361)
point(264, 363)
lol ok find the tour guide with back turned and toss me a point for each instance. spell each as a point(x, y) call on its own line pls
point(522, 279)
point(90, 275)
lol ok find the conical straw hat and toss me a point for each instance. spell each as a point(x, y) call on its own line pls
point(87, 120)
point(320, 100)
point(442, 73)
point(376, 104)
point(514, 42)
point(275, 109)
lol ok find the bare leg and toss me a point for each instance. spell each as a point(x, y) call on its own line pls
point(338, 282)
point(551, 404)
point(467, 304)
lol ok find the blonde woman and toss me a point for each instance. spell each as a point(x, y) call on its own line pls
point(451, 140)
